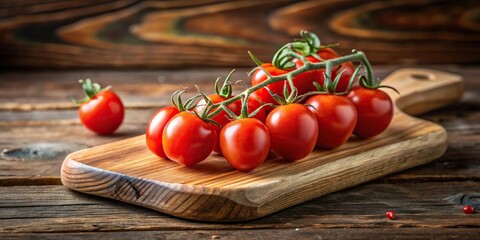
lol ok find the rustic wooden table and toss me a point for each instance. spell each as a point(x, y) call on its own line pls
point(39, 127)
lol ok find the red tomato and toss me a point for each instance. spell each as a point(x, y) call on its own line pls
point(222, 118)
point(303, 82)
point(103, 113)
point(245, 143)
point(187, 139)
point(318, 77)
point(254, 102)
point(374, 110)
point(155, 129)
point(293, 131)
point(336, 117)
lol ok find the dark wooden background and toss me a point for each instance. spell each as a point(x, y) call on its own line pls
point(39, 127)
point(176, 34)
point(148, 49)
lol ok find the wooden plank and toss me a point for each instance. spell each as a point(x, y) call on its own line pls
point(214, 191)
point(138, 89)
point(29, 181)
point(278, 234)
point(50, 209)
point(46, 126)
point(25, 91)
point(47, 90)
point(37, 146)
point(31, 6)
point(152, 34)
point(461, 161)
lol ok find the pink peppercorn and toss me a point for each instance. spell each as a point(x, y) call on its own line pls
point(390, 214)
point(468, 209)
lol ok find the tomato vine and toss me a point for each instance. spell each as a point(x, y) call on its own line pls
point(238, 126)
point(297, 49)
point(356, 56)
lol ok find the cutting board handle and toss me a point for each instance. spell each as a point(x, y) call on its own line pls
point(423, 90)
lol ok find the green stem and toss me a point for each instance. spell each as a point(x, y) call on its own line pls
point(357, 56)
point(293, 90)
point(366, 64)
point(244, 111)
point(90, 89)
point(328, 77)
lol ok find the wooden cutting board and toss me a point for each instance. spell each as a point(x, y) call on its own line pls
point(214, 191)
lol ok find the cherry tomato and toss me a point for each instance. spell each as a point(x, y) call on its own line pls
point(222, 118)
point(254, 102)
point(188, 139)
point(103, 113)
point(336, 117)
point(326, 54)
point(303, 82)
point(293, 131)
point(245, 143)
point(155, 129)
point(374, 110)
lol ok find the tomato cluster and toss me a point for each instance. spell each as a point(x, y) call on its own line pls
point(289, 110)
point(307, 97)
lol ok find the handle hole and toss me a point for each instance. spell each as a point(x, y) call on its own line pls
point(422, 77)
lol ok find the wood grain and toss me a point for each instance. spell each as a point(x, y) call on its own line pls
point(48, 122)
point(278, 234)
point(418, 206)
point(460, 162)
point(179, 34)
point(138, 89)
point(29, 210)
point(213, 191)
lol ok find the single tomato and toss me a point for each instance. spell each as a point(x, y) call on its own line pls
point(336, 117)
point(293, 131)
point(102, 110)
point(188, 139)
point(245, 143)
point(374, 111)
point(155, 128)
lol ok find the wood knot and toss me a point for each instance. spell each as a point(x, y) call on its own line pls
point(40, 151)
point(465, 199)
